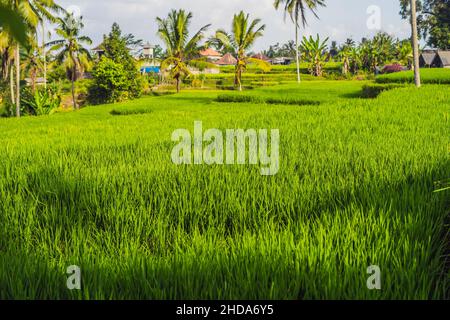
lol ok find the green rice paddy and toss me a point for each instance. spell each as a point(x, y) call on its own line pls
point(97, 189)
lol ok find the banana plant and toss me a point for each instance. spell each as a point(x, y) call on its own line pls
point(316, 53)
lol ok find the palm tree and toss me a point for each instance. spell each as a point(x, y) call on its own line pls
point(30, 13)
point(31, 62)
point(297, 11)
point(243, 35)
point(13, 23)
point(70, 47)
point(315, 52)
point(174, 31)
point(415, 43)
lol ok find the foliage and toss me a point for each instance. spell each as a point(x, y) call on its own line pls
point(314, 51)
point(12, 22)
point(297, 11)
point(111, 82)
point(244, 33)
point(370, 91)
point(440, 76)
point(433, 21)
point(71, 49)
point(391, 68)
point(174, 31)
point(125, 80)
point(114, 204)
point(40, 102)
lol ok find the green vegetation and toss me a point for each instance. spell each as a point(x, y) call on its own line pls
point(116, 77)
point(244, 33)
point(436, 76)
point(355, 188)
point(174, 31)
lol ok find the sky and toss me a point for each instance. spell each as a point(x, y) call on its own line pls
point(340, 20)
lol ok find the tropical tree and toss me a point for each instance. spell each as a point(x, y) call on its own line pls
point(244, 33)
point(297, 11)
point(70, 47)
point(12, 23)
point(31, 12)
point(32, 62)
point(315, 52)
point(415, 43)
point(344, 56)
point(404, 53)
point(174, 31)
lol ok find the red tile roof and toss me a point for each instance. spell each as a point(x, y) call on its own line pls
point(210, 53)
point(227, 60)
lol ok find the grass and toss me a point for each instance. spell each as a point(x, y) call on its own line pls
point(355, 188)
point(433, 76)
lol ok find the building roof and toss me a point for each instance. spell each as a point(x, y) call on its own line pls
point(210, 53)
point(226, 60)
point(428, 57)
point(261, 56)
point(99, 48)
point(445, 57)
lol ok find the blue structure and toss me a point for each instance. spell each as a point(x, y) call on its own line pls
point(150, 69)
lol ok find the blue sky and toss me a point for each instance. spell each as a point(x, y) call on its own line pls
point(339, 20)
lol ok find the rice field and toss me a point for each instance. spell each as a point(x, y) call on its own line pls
point(436, 76)
point(97, 189)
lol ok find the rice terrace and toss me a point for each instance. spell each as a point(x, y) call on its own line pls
point(200, 167)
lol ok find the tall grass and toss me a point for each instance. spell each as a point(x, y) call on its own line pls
point(436, 76)
point(355, 188)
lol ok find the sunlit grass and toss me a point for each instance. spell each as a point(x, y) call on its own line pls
point(355, 188)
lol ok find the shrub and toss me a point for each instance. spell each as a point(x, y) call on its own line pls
point(41, 102)
point(110, 84)
point(128, 112)
point(238, 98)
point(392, 68)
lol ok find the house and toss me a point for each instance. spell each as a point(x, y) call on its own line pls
point(441, 59)
point(426, 58)
point(282, 61)
point(262, 57)
point(99, 50)
point(226, 60)
point(211, 55)
point(37, 81)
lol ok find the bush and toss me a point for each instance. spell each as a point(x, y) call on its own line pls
point(392, 68)
point(128, 112)
point(111, 83)
point(238, 98)
point(40, 102)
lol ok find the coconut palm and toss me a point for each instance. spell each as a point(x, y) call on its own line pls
point(27, 15)
point(32, 62)
point(297, 11)
point(415, 42)
point(244, 33)
point(70, 47)
point(12, 23)
point(174, 31)
point(32, 12)
point(315, 52)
